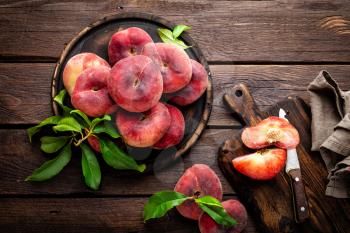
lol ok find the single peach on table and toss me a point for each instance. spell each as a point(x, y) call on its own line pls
point(143, 129)
point(198, 180)
point(90, 94)
point(195, 89)
point(78, 64)
point(175, 65)
point(176, 130)
point(135, 83)
point(126, 43)
point(235, 209)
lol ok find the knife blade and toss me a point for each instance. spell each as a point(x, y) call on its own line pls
point(301, 209)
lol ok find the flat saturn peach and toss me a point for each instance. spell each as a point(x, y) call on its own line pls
point(78, 64)
point(195, 89)
point(176, 130)
point(235, 209)
point(135, 83)
point(90, 94)
point(94, 142)
point(126, 43)
point(175, 65)
point(150, 50)
point(143, 129)
point(198, 180)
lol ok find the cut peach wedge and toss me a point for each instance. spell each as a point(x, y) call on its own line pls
point(261, 165)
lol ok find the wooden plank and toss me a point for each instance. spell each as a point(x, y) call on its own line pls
point(18, 160)
point(90, 215)
point(310, 31)
point(25, 88)
point(25, 92)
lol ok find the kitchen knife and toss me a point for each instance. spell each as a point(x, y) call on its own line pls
point(301, 209)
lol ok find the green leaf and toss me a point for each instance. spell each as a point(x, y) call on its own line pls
point(181, 44)
point(165, 34)
point(53, 144)
point(52, 167)
point(117, 158)
point(167, 37)
point(68, 124)
point(160, 203)
point(48, 121)
point(83, 116)
point(215, 210)
point(107, 128)
point(97, 120)
point(59, 99)
point(90, 167)
point(178, 29)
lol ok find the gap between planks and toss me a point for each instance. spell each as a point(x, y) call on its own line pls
point(88, 195)
point(44, 59)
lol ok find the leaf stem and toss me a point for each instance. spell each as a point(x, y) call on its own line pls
point(88, 134)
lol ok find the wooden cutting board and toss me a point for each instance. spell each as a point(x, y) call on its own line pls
point(270, 203)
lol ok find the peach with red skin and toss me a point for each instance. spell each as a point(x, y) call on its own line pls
point(271, 131)
point(94, 143)
point(90, 94)
point(176, 130)
point(196, 87)
point(143, 129)
point(198, 180)
point(126, 43)
point(135, 83)
point(235, 209)
point(150, 50)
point(175, 65)
point(76, 65)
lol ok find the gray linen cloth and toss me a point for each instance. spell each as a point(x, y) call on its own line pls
point(330, 130)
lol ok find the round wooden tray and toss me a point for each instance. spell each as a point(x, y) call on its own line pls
point(95, 38)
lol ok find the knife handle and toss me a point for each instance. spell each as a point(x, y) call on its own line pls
point(301, 208)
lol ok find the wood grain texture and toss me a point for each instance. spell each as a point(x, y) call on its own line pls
point(25, 88)
point(90, 215)
point(18, 160)
point(258, 35)
point(237, 30)
point(272, 201)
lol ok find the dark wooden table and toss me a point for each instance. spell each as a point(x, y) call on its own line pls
point(275, 47)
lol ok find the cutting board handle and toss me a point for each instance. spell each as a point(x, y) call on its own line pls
point(242, 103)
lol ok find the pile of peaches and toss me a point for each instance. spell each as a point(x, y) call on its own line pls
point(139, 73)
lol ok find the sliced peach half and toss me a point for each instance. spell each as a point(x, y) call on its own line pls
point(261, 165)
point(271, 131)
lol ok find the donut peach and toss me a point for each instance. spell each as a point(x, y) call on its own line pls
point(135, 83)
point(126, 43)
point(194, 89)
point(78, 64)
point(90, 94)
point(143, 129)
